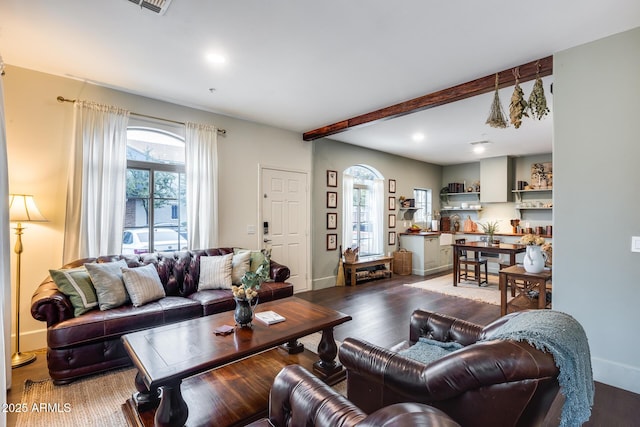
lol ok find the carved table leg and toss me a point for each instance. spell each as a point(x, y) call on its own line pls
point(327, 367)
point(173, 410)
point(293, 347)
point(145, 398)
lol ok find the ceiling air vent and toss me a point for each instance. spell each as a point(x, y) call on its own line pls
point(157, 6)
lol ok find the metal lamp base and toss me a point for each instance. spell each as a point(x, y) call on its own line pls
point(21, 359)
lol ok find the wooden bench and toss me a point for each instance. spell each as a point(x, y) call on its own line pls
point(364, 262)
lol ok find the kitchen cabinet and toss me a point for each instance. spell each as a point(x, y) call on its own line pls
point(428, 255)
point(496, 176)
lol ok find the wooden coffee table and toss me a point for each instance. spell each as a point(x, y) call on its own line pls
point(167, 355)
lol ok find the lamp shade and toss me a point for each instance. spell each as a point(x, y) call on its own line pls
point(22, 208)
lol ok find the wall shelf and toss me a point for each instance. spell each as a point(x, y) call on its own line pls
point(407, 213)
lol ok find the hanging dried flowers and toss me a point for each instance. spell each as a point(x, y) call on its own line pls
point(496, 117)
point(537, 100)
point(518, 106)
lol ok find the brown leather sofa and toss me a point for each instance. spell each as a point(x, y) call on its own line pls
point(298, 398)
point(90, 343)
point(491, 383)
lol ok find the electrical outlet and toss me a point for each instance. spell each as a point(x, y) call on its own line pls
point(635, 243)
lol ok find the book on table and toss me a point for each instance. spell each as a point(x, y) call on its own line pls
point(269, 317)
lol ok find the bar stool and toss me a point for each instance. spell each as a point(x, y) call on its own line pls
point(477, 262)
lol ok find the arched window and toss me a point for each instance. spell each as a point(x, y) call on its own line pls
point(155, 214)
point(363, 207)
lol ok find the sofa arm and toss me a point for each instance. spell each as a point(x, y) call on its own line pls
point(442, 328)
point(298, 398)
point(410, 415)
point(279, 272)
point(50, 305)
point(378, 376)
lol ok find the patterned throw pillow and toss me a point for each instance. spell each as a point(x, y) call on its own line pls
point(107, 280)
point(215, 272)
point(240, 264)
point(143, 284)
point(76, 284)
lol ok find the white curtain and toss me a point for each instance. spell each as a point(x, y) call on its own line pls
point(377, 212)
point(347, 211)
point(5, 260)
point(201, 165)
point(97, 179)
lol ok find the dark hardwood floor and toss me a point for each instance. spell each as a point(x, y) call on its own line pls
point(381, 311)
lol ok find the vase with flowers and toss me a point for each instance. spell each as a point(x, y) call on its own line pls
point(246, 295)
point(534, 259)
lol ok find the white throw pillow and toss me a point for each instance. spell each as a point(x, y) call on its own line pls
point(143, 284)
point(215, 272)
point(240, 264)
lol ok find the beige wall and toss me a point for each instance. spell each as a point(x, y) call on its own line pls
point(39, 137)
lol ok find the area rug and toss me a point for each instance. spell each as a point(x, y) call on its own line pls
point(466, 289)
point(94, 401)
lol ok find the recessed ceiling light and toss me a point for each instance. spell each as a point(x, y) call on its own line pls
point(418, 136)
point(216, 58)
point(478, 149)
point(479, 146)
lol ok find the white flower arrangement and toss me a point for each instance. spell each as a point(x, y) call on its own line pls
point(532, 239)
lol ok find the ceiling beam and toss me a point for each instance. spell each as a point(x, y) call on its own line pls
point(543, 66)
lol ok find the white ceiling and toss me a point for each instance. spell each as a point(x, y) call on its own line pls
point(302, 64)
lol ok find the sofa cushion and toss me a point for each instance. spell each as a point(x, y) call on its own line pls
point(143, 284)
point(107, 280)
point(100, 325)
point(219, 300)
point(215, 272)
point(76, 284)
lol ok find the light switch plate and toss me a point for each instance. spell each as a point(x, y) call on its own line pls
point(635, 243)
point(251, 229)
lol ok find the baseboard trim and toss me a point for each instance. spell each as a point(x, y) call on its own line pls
point(616, 374)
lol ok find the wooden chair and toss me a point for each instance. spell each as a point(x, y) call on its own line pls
point(476, 262)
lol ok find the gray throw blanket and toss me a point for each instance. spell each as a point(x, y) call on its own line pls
point(562, 336)
point(427, 350)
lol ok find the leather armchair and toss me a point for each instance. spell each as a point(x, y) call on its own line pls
point(496, 383)
point(298, 398)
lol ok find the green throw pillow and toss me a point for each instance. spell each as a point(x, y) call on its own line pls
point(76, 284)
point(107, 281)
point(257, 258)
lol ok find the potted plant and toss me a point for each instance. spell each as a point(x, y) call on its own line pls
point(490, 229)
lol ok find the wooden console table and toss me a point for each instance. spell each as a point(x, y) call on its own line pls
point(363, 262)
point(534, 281)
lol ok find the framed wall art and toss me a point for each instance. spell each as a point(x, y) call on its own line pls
point(392, 220)
point(332, 220)
point(332, 178)
point(392, 186)
point(392, 203)
point(332, 199)
point(392, 238)
point(332, 242)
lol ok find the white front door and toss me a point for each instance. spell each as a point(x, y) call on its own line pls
point(285, 216)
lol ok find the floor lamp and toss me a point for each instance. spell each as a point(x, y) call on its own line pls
point(22, 208)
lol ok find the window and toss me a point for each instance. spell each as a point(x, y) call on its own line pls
point(422, 216)
point(363, 218)
point(155, 215)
